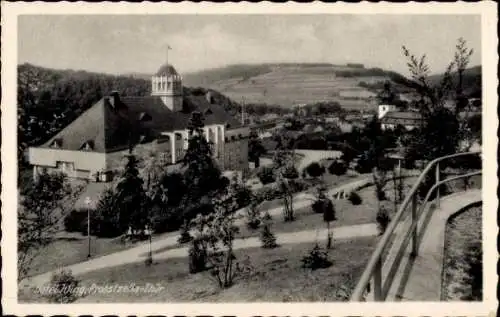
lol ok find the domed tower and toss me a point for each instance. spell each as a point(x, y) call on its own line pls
point(167, 84)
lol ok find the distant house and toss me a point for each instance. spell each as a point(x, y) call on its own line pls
point(331, 119)
point(94, 145)
point(390, 117)
point(409, 120)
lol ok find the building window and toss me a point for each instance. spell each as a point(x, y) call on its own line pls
point(57, 143)
point(87, 146)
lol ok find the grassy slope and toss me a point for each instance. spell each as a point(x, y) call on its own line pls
point(276, 276)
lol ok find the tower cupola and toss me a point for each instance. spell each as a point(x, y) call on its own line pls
point(166, 83)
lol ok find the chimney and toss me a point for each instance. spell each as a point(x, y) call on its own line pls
point(114, 98)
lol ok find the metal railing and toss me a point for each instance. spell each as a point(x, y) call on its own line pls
point(373, 270)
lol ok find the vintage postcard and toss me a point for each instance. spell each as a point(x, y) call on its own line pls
point(249, 159)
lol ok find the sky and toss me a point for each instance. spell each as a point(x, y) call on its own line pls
point(121, 44)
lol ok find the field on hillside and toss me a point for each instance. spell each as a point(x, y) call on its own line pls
point(292, 85)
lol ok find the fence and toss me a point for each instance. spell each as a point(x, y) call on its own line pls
point(372, 274)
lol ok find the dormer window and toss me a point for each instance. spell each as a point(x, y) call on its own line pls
point(228, 125)
point(57, 143)
point(144, 117)
point(87, 146)
point(208, 111)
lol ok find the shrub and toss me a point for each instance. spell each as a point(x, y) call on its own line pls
point(267, 237)
point(267, 216)
point(304, 173)
point(63, 287)
point(184, 237)
point(266, 175)
point(316, 259)
point(272, 192)
point(355, 199)
point(381, 195)
point(76, 220)
point(383, 219)
point(315, 169)
point(166, 219)
point(291, 172)
point(267, 193)
point(317, 206)
point(253, 215)
point(337, 168)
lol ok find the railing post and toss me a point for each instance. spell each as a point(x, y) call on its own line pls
point(414, 222)
point(377, 281)
point(437, 188)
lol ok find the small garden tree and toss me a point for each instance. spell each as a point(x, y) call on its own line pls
point(267, 237)
point(222, 232)
point(383, 219)
point(255, 149)
point(107, 215)
point(324, 205)
point(442, 129)
point(266, 175)
point(253, 214)
point(283, 159)
point(201, 176)
point(132, 198)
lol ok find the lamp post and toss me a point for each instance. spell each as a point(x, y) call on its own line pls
point(149, 232)
point(88, 201)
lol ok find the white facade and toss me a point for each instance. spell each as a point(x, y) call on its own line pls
point(229, 147)
point(169, 89)
point(384, 109)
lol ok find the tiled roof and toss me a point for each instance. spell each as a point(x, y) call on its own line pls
point(166, 70)
point(111, 127)
point(403, 115)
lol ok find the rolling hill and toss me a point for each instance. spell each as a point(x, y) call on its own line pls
point(472, 81)
point(353, 86)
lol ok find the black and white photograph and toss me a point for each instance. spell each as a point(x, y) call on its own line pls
point(271, 157)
